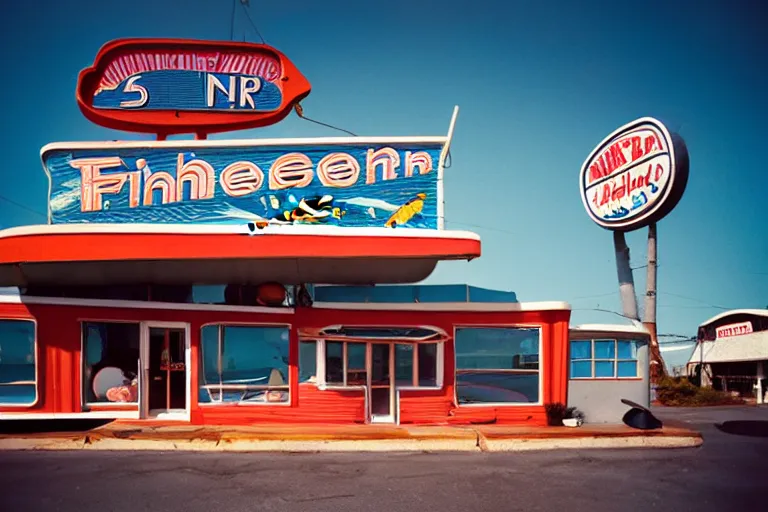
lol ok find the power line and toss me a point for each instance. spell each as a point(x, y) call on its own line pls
point(300, 111)
point(232, 23)
point(594, 296)
point(27, 208)
point(606, 311)
point(695, 300)
point(245, 4)
point(480, 227)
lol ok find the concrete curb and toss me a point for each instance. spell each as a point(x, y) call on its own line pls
point(478, 444)
point(519, 445)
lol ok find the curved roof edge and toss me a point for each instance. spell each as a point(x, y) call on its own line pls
point(635, 328)
point(725, 314)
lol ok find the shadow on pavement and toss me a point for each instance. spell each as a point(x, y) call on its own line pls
point(45, 426)
point(744, 428)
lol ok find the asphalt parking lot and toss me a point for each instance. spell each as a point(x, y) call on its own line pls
point(726, 473)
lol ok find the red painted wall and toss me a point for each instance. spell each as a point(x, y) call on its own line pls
point(59, 359)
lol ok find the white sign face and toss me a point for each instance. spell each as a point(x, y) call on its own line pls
point(727, 331)
point(627, 179)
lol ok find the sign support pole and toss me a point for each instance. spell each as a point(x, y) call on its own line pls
point(657, 363)
point(626, 280)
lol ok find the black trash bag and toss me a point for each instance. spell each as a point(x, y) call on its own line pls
point(640, 417)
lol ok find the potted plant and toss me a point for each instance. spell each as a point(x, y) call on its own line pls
point(573, 417)
point(555, 414)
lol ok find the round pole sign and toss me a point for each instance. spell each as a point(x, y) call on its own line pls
point(635, 176)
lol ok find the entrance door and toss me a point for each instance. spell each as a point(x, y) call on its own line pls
point(381, 389)
point(165, 351)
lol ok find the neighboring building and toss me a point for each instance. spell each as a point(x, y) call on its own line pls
point(732, 349)
point(608, 363)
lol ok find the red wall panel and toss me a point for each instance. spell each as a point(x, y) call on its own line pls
point(59, 364)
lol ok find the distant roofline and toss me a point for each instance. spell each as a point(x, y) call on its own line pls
point(724, 314)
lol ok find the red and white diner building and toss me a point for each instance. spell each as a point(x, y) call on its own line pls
point(189, 323)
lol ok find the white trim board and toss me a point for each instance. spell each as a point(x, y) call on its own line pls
point(92, 415)
point(233, 229)
point(610, 328)
point(136, 304)
point(446, 306)
point(236, 143)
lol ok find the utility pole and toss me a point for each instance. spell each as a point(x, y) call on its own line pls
point(657, 362)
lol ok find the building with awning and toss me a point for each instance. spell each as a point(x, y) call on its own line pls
point(731, 353)
point(254, 281)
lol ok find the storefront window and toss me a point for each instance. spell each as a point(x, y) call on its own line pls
point(308, 361)
point(345, 364)
point(334, 363)
point(497, 365)
point(244, 364)
point(416, 365)
point(356, 374)
point(18, 384)
point(427, 367)
point(604, 359)
point(111, 362)
point(404, 365)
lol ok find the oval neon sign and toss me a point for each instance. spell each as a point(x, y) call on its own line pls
point(635, 176)
point(170, 86)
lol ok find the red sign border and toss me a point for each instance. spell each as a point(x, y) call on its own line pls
point(295, 87)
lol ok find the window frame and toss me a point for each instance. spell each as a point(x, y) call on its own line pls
point(322, 384)
point(85, 405)
point(315, 375)
point(540, 371)
point(201, 369)
point(616, 360)
point(37, 365)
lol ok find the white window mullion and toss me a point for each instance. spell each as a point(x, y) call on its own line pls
point(415, 362)
point(221, 381)
point(320, 362)
point(344, 363)
point(440, 354)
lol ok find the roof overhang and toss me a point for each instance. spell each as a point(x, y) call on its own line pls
point(103, 254)
point(637, 329)
point(747, 347)
point(734, 312)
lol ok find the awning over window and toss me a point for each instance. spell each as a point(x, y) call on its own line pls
point(91, 254)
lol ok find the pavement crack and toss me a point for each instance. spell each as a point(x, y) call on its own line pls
point(316, 498)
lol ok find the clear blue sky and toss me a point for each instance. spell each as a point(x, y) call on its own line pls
point(539, 84)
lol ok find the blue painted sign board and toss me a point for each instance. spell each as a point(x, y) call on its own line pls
point(345, 182)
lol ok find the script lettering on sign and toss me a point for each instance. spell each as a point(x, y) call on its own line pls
point(635, 176)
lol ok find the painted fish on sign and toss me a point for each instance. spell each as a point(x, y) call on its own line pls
point(365, 183)
point(169, 86)
point(636, 176)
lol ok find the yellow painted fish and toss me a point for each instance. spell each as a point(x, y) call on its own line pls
point(406, 212)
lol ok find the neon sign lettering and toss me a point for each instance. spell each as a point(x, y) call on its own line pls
point(635, 176)
point(294, 170)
